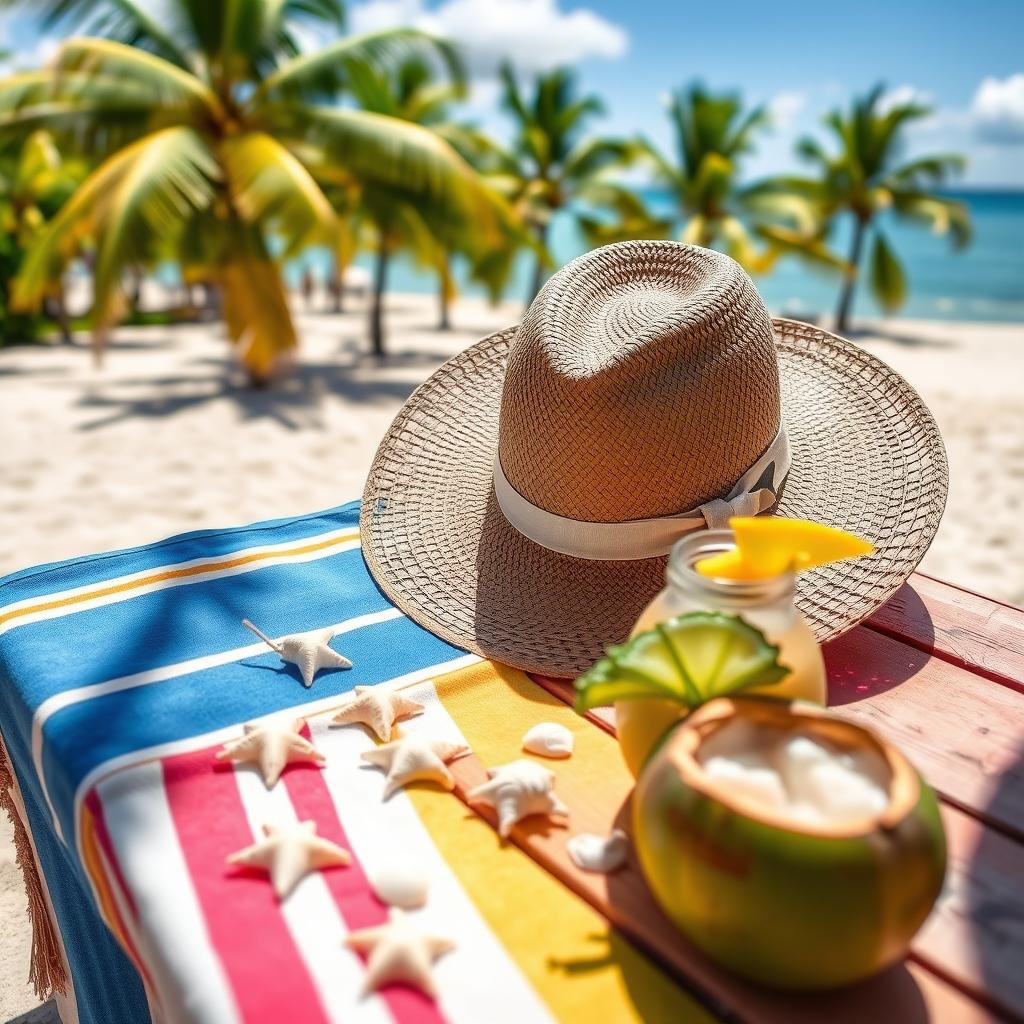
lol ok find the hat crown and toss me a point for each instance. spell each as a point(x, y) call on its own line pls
point(643, 381)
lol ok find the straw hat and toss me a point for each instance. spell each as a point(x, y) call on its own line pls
point(646, 393)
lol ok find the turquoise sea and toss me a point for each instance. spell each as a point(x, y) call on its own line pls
point(983, 282)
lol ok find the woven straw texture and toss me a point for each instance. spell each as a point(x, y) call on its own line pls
point(633, 363)
point(867, 457)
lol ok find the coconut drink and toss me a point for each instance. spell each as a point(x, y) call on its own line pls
point(750, 571)
point(791, 846)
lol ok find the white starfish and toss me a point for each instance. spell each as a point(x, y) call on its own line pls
point(397, 951)
point(379, 708)
point(518, 790)
point(414, 758)
point(289, 853)
point(309, 651)
point(270, 747)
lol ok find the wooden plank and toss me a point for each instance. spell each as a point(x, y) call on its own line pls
point(965, 735)
point(971, 631)
point(975, 935)
point(907, 992)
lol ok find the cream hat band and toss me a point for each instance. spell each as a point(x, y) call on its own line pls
point(756, 491)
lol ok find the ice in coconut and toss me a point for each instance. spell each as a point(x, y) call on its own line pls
point(738, 758)
point(798, 774)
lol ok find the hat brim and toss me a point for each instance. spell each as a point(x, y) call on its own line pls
point(867, 457)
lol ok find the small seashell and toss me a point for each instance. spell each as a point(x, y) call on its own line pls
point(400, 885)
point(548, 739)
point(595, 853)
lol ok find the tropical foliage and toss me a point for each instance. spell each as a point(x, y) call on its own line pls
point(550, 163)
point(35, 181)
point(216, 137)
point(752, 223)
point(209, 129)
point(417, 90)
point(865, 177)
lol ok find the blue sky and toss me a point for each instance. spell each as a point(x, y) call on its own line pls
point(800, 57)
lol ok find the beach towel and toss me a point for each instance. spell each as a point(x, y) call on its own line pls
point(122, 674)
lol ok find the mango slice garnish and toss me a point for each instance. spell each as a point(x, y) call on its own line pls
point(769, 545)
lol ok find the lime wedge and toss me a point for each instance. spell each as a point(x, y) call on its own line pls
point(690, 659)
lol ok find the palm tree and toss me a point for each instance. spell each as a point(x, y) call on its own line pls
point(550, 163)
point(411, 91)
point(209, 127)
point(866, 177)
point(713, 133)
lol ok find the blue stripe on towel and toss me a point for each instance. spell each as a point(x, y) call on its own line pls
point(167, 626)
point(201, 702)
point(42, 580)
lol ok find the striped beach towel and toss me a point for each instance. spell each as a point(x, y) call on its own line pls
point(120, 677)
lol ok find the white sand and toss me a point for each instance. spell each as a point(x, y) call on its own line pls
point(166, 438)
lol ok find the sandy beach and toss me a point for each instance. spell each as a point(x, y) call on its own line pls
point(165, 437)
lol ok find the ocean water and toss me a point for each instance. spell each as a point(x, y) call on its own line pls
point(985, 281)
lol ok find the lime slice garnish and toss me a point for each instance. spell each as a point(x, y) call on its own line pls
point(691, 659)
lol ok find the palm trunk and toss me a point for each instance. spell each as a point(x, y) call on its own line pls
point(63, 320)
point(850, 276)
point(444, 293)
point(540, 266)
point(380, 277)
point(338, 289)
point(57, 310)
point(135, 288)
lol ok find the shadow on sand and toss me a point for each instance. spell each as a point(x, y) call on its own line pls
point(290, 401)
point(899, 338)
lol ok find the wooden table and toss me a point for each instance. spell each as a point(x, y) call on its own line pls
point(940, 672)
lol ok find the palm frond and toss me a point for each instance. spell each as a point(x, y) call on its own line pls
point(738, 243)
point(888, 280)
point(145, 191)
point(618, 215)
point(511, 98)
point(594, 156)
point(126, 21)
point(662, 166)
point(811, 150)
point(944, 216)
point(932, 170)
point(810, 248)
point(321, 74)
point(774, 201)
point(386, 151)
point(165, 84)
point(90, 115)
point(269, 186)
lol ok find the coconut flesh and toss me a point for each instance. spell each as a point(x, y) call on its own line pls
point(795, 773)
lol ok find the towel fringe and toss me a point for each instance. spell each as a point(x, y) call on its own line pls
point(47, 972)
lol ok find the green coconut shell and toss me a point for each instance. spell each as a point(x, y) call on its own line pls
point(782, 905)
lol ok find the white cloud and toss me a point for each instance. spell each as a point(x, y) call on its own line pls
point(997, 110)
point(22, 46)
point(783, 107)
point(903, 95)
point(535, 35)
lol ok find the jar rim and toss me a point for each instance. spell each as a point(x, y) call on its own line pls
point(682, 574)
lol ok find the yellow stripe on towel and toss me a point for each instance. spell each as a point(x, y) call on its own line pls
point(577, 963)
point(165, 575)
